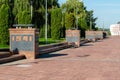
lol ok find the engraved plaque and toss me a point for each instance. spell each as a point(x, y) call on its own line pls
point(72, 39)
point(90, 36)
point(73, 36)
point(22, 42)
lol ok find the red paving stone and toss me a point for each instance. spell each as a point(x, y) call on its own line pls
point(93, 61)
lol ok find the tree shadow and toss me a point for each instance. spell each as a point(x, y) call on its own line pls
point(99, 41)
point(86, 45)
point(50, 55)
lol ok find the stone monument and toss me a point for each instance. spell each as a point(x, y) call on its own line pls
point(73, 36)
point(24, 40)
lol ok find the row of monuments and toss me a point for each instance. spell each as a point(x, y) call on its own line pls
point(25, 41)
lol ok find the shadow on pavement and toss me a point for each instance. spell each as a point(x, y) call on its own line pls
point(86, 45)
point(50, 55)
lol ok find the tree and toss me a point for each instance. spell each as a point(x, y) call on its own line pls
point(91, 20)
point(56, 18)
point(24, 17)
point(118, 22)
point(39, 14)
point(75, 8)
point(69, 21)
point(4, 24)
point(21, 11)
point(84, 19)
point(21, 5)
point(72, 6)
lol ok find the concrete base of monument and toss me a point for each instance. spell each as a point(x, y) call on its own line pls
point(28, 54)
point(77, 44)
point(99, 35)
point(73, 37)
point(90, 36)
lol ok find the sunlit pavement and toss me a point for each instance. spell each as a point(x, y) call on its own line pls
point(91, 61)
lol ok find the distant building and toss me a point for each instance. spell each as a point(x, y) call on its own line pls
point(115, 29)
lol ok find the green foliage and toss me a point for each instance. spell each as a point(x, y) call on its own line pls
point(69, 21)
point(72, 5)
point(75, 11)
point(39, 15)
point(21, 5)
point(4, 24)
point(91, 20)
point(82, 21)
point(56, 18)
point(24, 17)
point(21, 11)
point(118, 22)
point(4, 46)
point(4, 1)
point(85, 18)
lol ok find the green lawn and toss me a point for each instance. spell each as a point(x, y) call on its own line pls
point(42, 41)
point(4, 46)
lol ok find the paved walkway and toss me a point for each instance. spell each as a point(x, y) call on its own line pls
point(92, 61)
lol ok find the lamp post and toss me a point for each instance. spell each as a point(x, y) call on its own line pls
point(76, 17)
point(103, 26)
point(31, 5)
point(63, 15)
point(46, 21)
point(90, 24)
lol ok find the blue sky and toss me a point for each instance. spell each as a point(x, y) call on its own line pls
point(107, 11)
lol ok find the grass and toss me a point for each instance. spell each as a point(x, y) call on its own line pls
point(42, 41)
point(4, 46)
